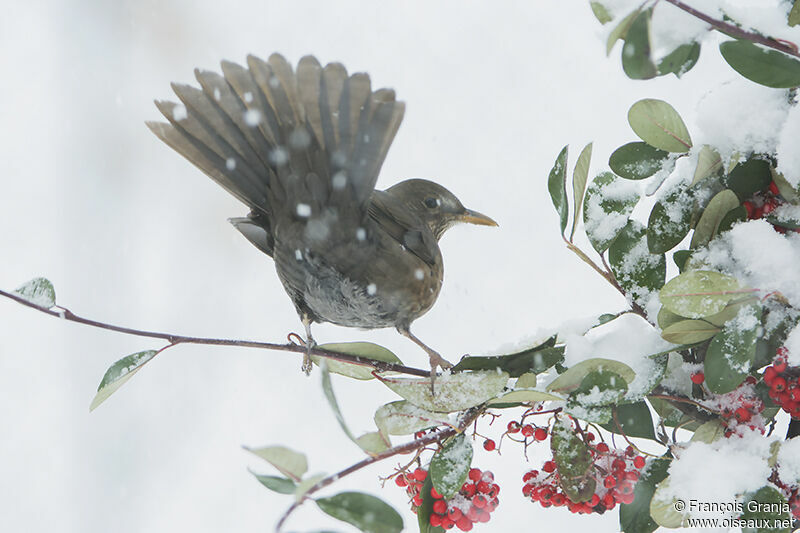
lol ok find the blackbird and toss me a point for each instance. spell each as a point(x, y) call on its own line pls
point(302, 149)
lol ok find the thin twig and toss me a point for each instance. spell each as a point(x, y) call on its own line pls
point(435, 437)
point(736, 31)
point(172, 339)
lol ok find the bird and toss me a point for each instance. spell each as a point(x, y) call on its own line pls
point(302, 148)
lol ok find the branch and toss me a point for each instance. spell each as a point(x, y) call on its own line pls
point(737, 32)
point(173, 339)
point(436, 437)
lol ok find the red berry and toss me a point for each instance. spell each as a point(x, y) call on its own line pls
point(530, 474)
point(769, 375)
point(513, 427)
point(454, 514)
point(589, 437)
point(483, 487)
point(440, 507)
point(417, 500)
point(549, 466)
point(629, 451)
point(420, 474)
point(475, 474)
point(610, 482)
point(768, 208)
point(435, 494)
point(489, 445)
point(773, 188)
point(638, 461)
point(780, 366)
point(464, 524)
point(484, 517)
point(435, 520)
point(743, 415)
point(778, 385)
point(618, 464)
point(527, 430)
point(447, 523)
point(401, 481)
point(479, 501)
point(594, 501)
point(540, 434)
point(602, 447)
point(468, 489)
point(698, 378)
point(748, 206)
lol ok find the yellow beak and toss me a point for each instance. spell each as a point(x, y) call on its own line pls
point(473, 217)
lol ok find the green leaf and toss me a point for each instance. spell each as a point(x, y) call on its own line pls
point(425, 510)
point(708, 225)
point(572, 378)
point(670, 220)
point(404, 418)
point(450, 465)
point(372, 443)
point(635, 421)
point(327, 388)
point(288, 462)
point(765, 67)
point(730, 311)
point(709, 432)
point(758, 506)
point(681, 257)
point(599, 388)
point(38, 291)
point(794, 14)
point(118, 374)
point(787, 190)
point(699, 293)
point(689, 332)
point(659, 125)
point(535, 360)
point(368, 513)
point(280, 485)
point(732, 351)
point(525, 396)
point(637, 160)
point(573, 459)
point(635, 517)
point(557, 185)
point(600, 12)
point(621, 30)
point(749, 177)
point(662, 507)
point(306, 485)
point(709, 163)
point(366, 350)
point(606, 209)
point(636, 60)
point(454, 392)
point(732, 217)
point(638, 271)
point(680, 61)
point(579, 177)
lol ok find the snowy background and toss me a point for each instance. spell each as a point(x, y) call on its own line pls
point(131, 233)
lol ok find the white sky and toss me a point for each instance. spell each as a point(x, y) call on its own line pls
point(131, 233)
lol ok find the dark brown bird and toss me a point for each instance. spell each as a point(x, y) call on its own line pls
point(302, 149)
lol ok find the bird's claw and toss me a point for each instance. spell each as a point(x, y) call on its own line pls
point(437, 360)
point(307, 365)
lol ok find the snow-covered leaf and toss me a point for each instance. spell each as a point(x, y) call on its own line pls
point(525, 396)
point(288, 462)
point(689, 331)
point(761, 506)
point(638, 271)
point(599, 388)
point(573, 459)
point(368, 513)
point(636, 60)
point(557, 185)
point(621, 30)
point(635, 517)
point(450, 465)
point(637, 160)
point(730, 354)
point(118, 374)
point(367, 350)
point(765, 67)
point(708, 225)
point(659, 125)
point(579, 177)
point(662, 507)
point(277, 484)
point(573, 377)
point(680, 61)
point(404, 418)
point(38, 291)
point(454, 392)
point(608, 203)
point(699, 293)
point(709, 432)
point(709, 163)
point(372, 443)
point(635, 420)
point(670, 220)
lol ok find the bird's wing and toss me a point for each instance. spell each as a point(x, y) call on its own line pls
point(288, 144)
point(401, 225)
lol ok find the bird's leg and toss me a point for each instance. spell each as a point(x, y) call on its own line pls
point(310, 344)
point(433, 355)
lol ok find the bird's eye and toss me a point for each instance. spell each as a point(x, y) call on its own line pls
point(432, 203)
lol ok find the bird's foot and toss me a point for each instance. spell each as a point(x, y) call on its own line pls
point(310, 344)
point(436, 360)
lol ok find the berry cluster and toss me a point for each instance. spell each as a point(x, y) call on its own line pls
point(784, 384)
point(615, 472)
point(527, 430)
point(741, 408)
point(474, 503)
point(763, 203)
point(792, 494)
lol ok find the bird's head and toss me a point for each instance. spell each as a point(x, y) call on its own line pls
point(438, 207)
